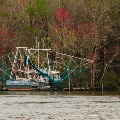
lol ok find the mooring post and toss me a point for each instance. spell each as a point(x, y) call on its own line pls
point(69, 84)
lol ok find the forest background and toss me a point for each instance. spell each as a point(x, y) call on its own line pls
point(82, 28)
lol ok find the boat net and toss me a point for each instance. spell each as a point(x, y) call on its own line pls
point(70, 71)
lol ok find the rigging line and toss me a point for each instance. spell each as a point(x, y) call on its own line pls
point(82, 60)
point(61, 60)
point(73, 60)
point(65, 72)
point(73, 70)
point(9, 59)
point(60, 63)
point(59, 57)
point(2, 78)
point(32, 53)
point(5, 72)
point(6, 54)
point(80, 72)
point(85, 64)
point(42, 64)
point(75, 57)
point(21, 58)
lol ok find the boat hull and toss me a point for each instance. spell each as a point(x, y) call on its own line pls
point(21, 85)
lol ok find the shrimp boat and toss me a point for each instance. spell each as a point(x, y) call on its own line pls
point(31, 70)
point(25, 75)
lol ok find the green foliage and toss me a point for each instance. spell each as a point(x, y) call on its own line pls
point(115, 13)
point(4, 14)
point(111, 82)
point(37, 16)
point(4, 72)
point(30, 10)
point(30, 29)
point(85, 78)
point(3, 2)
point(39, 9)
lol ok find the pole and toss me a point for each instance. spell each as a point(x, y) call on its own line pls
point(38, 54)
point(69, 84)
point(48, 59)
point(36, 42)
point(102, 86)
point(53, 82)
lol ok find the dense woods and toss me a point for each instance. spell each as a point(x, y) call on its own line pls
point(82, 28)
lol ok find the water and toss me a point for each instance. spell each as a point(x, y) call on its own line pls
point(54, 105)
point(84, 93)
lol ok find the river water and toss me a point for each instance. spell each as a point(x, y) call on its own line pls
point(54, 105)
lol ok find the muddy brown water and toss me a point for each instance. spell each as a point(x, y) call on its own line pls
point(54, 105)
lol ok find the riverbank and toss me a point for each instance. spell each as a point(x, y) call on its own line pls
point(59, 107)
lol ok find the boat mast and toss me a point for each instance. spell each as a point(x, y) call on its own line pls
point(38, 55)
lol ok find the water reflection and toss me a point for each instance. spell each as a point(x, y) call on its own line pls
point(83, 93)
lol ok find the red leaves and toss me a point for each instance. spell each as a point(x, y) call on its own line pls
point(87, 29)
point(6, 41)
point(6, 32)
point(63, 15)
point(92, 62)
point(63, 19)
point(84, 29)
point(113, 49)
point(1, 31)
point(0, 49)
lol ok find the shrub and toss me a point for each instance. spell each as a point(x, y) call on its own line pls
point(111, 82)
